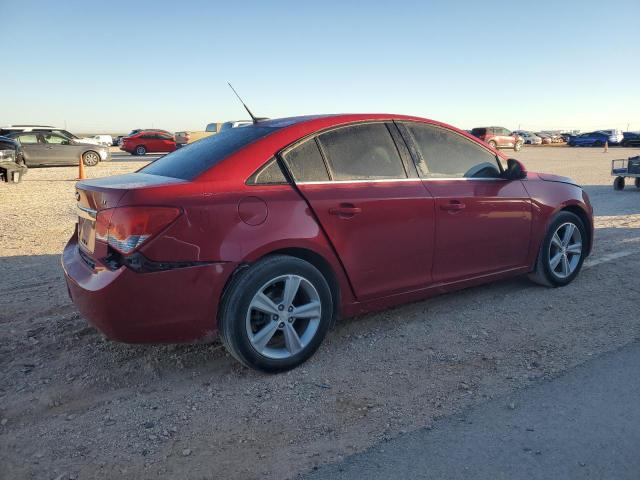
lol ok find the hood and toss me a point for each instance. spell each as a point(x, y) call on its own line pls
point(550, 177)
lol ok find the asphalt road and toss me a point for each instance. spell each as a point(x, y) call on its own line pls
point(583, 424)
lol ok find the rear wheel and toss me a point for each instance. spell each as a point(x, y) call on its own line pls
point(618, 183)
point(518, 146)
point(637, 182)
point(140, 150)
point(90, 159)
point(562, 251)
point(492, 144)
point(276, 313)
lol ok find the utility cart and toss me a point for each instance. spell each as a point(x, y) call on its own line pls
point(625, 168)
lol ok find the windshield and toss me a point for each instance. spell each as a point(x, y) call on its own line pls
point(190, 161)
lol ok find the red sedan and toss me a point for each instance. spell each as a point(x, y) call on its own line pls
point(149, 141)
point(264, 235)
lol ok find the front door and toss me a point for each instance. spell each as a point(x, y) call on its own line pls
point(483, 221)
point(379, 219)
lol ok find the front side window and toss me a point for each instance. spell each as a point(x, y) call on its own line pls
point(305, 162)
point(55, 140)
point(362, 152)
point(446, 154)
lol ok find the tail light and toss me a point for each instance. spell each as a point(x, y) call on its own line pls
point(127, 228)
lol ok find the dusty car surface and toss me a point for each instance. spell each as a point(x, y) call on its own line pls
point(265, 234)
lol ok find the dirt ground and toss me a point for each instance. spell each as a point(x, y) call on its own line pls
point(74, 405)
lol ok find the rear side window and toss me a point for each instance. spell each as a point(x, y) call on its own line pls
point(305, 162)
point(476, 132)
point(190, 161)
point(362, 152)
point(447, 154)
point(269, 174)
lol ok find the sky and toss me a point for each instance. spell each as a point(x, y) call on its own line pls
point(113, 66)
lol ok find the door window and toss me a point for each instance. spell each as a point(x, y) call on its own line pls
point(55, 140)
point(305, 162)
point(446, 154)
point(362, 152)
point(28, 139)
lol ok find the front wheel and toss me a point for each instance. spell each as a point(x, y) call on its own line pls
point(90, 159)
point(637, 182)
point(275, 313)
point(562, 252)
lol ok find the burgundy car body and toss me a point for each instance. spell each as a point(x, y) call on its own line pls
point(379, 243)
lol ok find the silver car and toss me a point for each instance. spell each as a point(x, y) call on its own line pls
point(49, 148)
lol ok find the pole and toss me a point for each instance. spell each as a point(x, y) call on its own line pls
point(81, 175)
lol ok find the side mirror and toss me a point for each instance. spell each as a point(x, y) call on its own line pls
point(515, 170)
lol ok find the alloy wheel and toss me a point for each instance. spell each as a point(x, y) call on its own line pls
point(91, 159)
point(565, 250)
point(283, 316)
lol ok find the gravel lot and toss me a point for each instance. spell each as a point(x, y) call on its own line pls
point(73, 405)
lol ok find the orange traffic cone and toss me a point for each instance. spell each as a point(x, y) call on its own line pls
point(606, 146)
point(81, 175)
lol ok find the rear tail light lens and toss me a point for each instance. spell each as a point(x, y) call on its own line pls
point(127, 228)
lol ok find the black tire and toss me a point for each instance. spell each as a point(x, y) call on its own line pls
point(237, 300)
point(493, 144)
point(542, 273)
point(517, 147)
point(637, 182)
point(618, 183)
point(140, 150)
point(90, 158)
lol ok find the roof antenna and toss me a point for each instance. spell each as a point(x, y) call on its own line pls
point(255, 120)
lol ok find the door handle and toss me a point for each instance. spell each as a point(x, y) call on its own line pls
point(453, 206)
point(345, 210)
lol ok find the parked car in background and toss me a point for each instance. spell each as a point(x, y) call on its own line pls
point(106, 140)
point(234, 124)
point(529, 138)
point(36, 128)
point(50, 148)
point(12, 166)
point(311, 218)
point(149, 141)
point(614, 136)
point(630, 139)
point(590, 139)
point(498, 137)
point(546, 138)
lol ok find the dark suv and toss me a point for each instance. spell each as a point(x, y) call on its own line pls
point(630, 139)
point(498, 137)
point(12, 165)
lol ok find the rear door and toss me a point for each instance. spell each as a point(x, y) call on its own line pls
point(166, 143)
point(34, 149)
point(483, 222)
point(369, 201)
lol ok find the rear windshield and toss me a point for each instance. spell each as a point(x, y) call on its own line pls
point(190, 161)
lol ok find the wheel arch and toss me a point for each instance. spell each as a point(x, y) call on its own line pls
point(336, 284)
point(584, 216)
